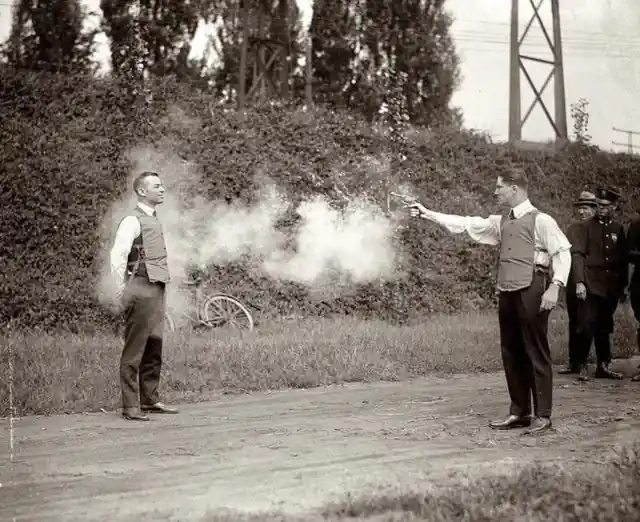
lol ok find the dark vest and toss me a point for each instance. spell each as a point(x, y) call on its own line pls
point(517, 252)
point(148, 256)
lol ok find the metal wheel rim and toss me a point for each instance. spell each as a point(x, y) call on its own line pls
point(240, 311)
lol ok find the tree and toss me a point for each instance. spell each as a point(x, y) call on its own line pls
point(358, 40)
point(47, 35)
point(158, 32)
point(334, 39)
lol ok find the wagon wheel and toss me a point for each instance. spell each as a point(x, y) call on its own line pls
point(220, 309)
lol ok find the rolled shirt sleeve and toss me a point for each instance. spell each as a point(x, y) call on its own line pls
point(557, 246)
point(128, 231)
point(482, 230)
point(487, 231)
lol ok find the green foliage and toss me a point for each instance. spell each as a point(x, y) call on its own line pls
point(154, 34)
point(354, 42)
point(580, 115)
point(64, 163)
point(49, 36)
point(333, 32)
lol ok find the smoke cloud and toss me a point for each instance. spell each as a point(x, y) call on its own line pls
point(328, 249)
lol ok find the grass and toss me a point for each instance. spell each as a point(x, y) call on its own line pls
point(606, 492)
point(73, 373)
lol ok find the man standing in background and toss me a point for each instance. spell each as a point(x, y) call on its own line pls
point(633, 250)
point(585, 208)
point(601, 274)
point(531, 243)
point(140, 270)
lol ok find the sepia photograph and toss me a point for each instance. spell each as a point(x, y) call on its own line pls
point(319, 260)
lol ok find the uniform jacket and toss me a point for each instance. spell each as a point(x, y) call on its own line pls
point(572, 230)
point(600, 257)
point(633, 249)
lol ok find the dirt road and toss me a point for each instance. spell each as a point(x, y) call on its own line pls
point(291, 450)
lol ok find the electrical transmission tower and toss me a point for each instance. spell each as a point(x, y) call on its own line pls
point(518, 63)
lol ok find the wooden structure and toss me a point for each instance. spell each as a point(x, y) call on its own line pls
point(271, 57)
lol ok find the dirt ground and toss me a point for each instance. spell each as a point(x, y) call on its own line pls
point(294, 450)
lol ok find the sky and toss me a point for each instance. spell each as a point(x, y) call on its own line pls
point(601, 52)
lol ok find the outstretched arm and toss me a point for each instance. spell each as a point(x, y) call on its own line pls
point(479, 229)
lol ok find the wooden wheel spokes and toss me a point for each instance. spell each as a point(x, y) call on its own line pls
point(220, 310)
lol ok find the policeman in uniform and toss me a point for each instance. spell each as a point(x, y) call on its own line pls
point(586, 209)
point(600, 266)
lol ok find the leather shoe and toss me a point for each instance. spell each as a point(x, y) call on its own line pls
point(603, 372)
point(158, 407)
point(635, 377)
point(538, 426)
point(133, 414)
point(584, 374)
point(511, 422)
point(568, 370)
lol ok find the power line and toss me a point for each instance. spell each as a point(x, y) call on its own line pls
point(484, 23)
point(630, 135)
point(501, 37)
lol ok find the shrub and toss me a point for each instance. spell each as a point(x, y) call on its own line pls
point(64, 144)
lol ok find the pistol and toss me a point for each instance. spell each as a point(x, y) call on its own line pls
point(407, 200)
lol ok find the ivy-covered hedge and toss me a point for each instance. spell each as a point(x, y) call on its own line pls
point(64, 161)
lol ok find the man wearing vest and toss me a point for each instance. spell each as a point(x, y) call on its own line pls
point(140, 270)
point(600, 263)
point(585, 208)
point(531, 243)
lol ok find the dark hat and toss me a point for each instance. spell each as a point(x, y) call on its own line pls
point(586, 199)
point(608, 194)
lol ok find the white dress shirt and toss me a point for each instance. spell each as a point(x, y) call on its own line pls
point(128, 231)
point(548, 236)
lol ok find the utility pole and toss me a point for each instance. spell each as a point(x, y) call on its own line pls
point(518, 64)
point(629, 143)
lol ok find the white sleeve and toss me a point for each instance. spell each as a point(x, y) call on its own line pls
point(557, 245)
point(128, 231)
point(479, 229)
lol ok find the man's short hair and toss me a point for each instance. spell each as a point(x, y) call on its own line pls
point(516, 176)
point(137, 183)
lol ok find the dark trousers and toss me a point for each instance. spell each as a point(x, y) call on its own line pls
point(526, 355)
point(595, 324)
point(572, 312)
point(141, 359)
point(634, 300)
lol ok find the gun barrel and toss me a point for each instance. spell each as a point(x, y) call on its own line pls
point(403, 197)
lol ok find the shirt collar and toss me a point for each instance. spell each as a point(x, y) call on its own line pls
point(146, 208)
point(523, 208)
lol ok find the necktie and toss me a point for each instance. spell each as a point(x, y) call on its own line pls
point(511, 214)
